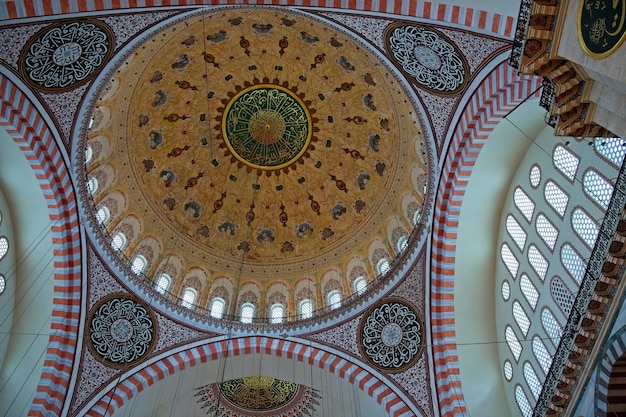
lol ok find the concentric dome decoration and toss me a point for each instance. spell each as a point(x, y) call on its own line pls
point(247, 149)
point(121, 330)
point(391, 335)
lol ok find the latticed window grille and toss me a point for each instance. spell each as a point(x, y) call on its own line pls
point(508, 370)
point(506, 290)
point(541, 353)
point(566, 162)
point(522, 402)
point(189, 297)
point(556, 197)
point(535, 176)
point(510, 261)
point(574, 264)
point(163, 283)
point(546, 230)
point(585, 227)
point(118, 241)
point(277, 313)
point(516, 232)
point(597, 188)
point(217, 308)
point(612, 149)
point(551, 326)
point(529, 291)
point(306, 309)
point(513, 342)
point(532, 380)
point(538, 262)
point(247, 312)
point(525, 205)
point(521, 318)
point(561, 295)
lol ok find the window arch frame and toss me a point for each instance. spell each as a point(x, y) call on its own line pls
point(213, 311)
point(245, 318)
point(123, 241)
point(301, 310)
point(356, 285)
point(513, 342)
point(190, 304)
point(561, 170)
point(577, 231)
point(515, 231)
point(556, 198)
point(157, 284)
point(134, 268)
point(277, 319)
point(521, 317)
point(383, 266)
point(329, 299)
point(105, 216)
point(520, 199)
point(587, 191)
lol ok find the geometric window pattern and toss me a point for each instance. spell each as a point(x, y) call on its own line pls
point(360, 284)
point(551, 326)
point(524, 203)
point(247, 312)
point(217, 308)
point(306, 309)
point(612, 149)
point(522, 402)
point(541, 353)
point(92, 185)
point(573, 263)
point(103, 214)
point(566, 162)
point(597, 188)
point(561, 295)
point(139, 264)
point(513, 342)
point(4, 246)
point(585, 227)
point(556, 197)
point(508, 370)
point(538, 262)
point(546, 231)
point(521, 318)
point(334, 299)
point(118, 241)
point(511, 262)
point(516, 232)
point(163, 283)
point(531, 379)
point(189, 297)
point(529, 290)
point(277, 313)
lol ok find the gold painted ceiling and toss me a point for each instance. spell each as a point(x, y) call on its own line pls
point(261, 146)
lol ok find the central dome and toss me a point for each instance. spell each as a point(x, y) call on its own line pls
point(258, 149)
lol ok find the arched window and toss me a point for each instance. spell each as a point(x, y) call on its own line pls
point(538, 262)
point(360, 284)
point(119, 241)
point(334, 299)
point(277, 312)
point(532, 380)
point(522, 402)
point(189, 297)
point(535, 176)
point(402, 243)
point(508, 370)
point(546, 230)
point(513, 342)
point(585, 227)
point(3, 283)
point(573, 263)
point(247, 313)
point(561, 295)
point(566, 162)
point(4, 246)
point(306, 309)
point(139, 264)
point(218, 306)
point(516, 232)
point(103, 214)
point(382, 267)
point(541, 353)
point(612, 149)
point(511, 262)
point(92, 185)
point(416, 217)
point(163, 283)
point(524, 203)
point(521, 318)
point(529, 291)
point(88, 154)
point(551, 326)
point(597, 188)
point(556, 197)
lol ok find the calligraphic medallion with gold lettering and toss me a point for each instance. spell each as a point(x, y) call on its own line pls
point(266, 126)
point(601, 26)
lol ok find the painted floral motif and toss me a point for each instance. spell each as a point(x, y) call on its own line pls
point(265, 235)
point(304, 229)
point(121, 330)
point(391, 335)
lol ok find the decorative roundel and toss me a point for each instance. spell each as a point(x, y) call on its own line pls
point(66, 54)
point(391, 335)
point(428, 57)
point(121, 330)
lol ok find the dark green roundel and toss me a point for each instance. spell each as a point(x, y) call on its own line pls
point(266, 126)
point(602, 26)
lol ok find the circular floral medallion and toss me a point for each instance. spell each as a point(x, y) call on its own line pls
point(391, 335)
point(266, 126)
point(428, 57)
point(66, 54)
point(121, 330)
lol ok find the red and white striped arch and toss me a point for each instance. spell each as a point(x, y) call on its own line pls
point(478, 19)
point(127, 388)
point(23, 122)
point(498, 94)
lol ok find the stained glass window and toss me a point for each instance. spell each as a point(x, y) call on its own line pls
point(535, 176)
point(508, 370)
point(103, 214)
point(561, 295)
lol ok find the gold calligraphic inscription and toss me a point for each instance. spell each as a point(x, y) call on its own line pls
point(601, 26)
point(258, 393)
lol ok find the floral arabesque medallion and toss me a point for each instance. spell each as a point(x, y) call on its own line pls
point(391, 335)
point(121, 330)
point(429, 58)
point(67, 54)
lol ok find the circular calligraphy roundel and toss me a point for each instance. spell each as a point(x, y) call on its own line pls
point(391, 335)
point(67, 54)
point(121, 330)
point(428, 57)
point(267, 126)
